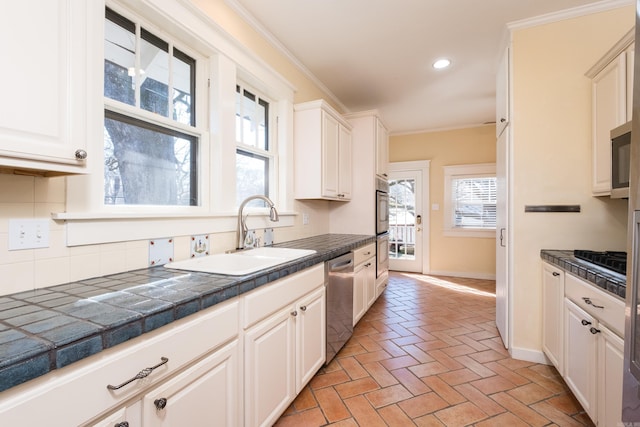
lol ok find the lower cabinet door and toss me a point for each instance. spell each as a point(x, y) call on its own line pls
point(205, 395)
point(581, 348)
point(359, 292)
point(610, 373)
point(370, 281)
point(310, 337)
point(269, 376)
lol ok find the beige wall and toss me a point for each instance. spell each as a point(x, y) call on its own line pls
point(551, 126)
point(460, 256)
point(30, 197)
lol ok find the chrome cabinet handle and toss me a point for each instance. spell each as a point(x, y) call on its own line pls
point(294, 313)
point(555, 273)
point(588, 301)
point(303, 308)
point(585, 322)
point(502, 120)
point(80, 154)
point(594, 330)
point(142, 374)
point(122, 424)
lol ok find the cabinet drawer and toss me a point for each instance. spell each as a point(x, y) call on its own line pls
point(270, 298)
point(84, 384)
point(364, 253)
point(606, 308)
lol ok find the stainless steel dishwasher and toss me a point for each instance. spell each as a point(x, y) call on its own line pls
point(339, 277)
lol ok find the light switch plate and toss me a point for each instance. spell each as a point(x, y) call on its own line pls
point(28, 234)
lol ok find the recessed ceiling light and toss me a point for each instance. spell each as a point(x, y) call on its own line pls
point(441, 63)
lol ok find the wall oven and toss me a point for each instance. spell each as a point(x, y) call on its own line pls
point(382, 226)
point(382, 206)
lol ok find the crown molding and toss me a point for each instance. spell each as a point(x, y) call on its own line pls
point(575, 12)
point(273, 40)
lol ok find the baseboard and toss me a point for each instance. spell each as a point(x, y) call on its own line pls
point(529, 355)
point(469, 275)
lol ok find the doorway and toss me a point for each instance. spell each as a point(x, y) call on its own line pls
point(408, 220)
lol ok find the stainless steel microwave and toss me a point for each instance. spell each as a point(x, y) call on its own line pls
point(620, 161)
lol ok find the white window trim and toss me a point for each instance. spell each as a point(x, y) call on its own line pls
point(451, 172)
point(89, 221)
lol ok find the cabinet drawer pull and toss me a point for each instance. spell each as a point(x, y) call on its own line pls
point(142, 374)
point(555, 273)
point(122, 424)
point(294, 313)
point(585, 322)
point(303, 308)
point(588, 301)
point(594, 330)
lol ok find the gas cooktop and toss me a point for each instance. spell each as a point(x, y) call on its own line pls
point(611, 260)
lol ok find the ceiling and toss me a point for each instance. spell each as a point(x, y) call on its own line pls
point(377, 54)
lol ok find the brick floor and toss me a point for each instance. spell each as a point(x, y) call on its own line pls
point(427, 353)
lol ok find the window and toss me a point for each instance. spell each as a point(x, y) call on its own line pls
point(255, 155)
point(150, 143)
point(470, 200)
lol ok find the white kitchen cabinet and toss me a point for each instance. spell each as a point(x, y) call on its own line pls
point(581, 357)
point(181, 343)
point(323, 152)
point(382, 150)
point(630, 54)
point(594, 324)
point(206, 394)
point(358, 216)
point(552, 314)
point(610, 373)
point(364, 283)
point(52, 85)
point(502, 93)
point(611, 88)
point(285, 343)
point(310, 337)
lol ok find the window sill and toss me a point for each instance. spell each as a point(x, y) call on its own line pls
point(98, 228)
point(470, 232)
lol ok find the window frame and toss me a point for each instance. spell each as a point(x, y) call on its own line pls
point(270, 154)
point(224, 62)
point(480, 170)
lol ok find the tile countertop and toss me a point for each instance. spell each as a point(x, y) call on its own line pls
point(49, 328)
point(610, 281)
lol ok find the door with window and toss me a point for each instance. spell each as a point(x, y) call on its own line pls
point(408, 223)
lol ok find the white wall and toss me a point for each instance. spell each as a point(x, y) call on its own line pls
point(551, 127)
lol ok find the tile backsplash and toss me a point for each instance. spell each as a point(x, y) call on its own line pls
point(36, 197)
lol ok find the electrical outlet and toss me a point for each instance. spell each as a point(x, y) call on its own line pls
point(305, 219)
point(28, 234)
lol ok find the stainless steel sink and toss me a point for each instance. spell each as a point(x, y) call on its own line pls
point(243, 262)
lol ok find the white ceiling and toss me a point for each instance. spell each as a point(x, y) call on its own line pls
point(377, 54)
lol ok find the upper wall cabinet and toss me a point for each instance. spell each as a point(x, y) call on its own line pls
point(323, 152)
point(502, 93)
point(612, 87)
point(382, 150)
point(52, 85)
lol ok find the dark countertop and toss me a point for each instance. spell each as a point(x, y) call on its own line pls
point(610, 281)
point(49, 328)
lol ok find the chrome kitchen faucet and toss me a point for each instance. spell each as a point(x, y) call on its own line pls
point(241, 231)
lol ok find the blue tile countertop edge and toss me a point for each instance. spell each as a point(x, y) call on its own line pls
point(610, 281)
point(49, 328)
